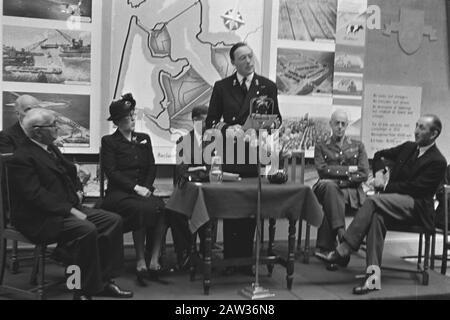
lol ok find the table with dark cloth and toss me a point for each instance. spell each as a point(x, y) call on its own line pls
point(234, 200)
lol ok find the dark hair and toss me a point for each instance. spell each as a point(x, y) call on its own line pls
point(436, 124)
point(199, 111)
point(235, 47)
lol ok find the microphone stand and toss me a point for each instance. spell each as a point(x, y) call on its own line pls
point(256, 291)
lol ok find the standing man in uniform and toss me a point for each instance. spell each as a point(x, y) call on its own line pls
point(229, 109)
point(342, 166)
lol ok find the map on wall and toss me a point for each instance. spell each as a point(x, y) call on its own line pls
point(169, 54)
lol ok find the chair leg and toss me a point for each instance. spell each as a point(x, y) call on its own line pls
point(444, 258)
point(2, 260)
point(419, 258)
point(425, 276)
point(433, 250)
point(35, 270)
point(307, 244)
point(272, 229)
point(14, 261)
point(299, 239)
point(40, 294)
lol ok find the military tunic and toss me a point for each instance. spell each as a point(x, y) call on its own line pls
point(338, 187)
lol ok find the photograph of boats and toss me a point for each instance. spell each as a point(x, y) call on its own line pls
point(72, 113)
point(304, 72)
point(307, 20)
point(49, 9)
point(46, 56)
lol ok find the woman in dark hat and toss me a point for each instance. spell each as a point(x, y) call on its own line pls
point(128, 162)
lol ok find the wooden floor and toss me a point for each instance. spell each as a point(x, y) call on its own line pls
point(312, 281)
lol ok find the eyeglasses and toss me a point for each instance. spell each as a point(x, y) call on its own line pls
point(53, 125)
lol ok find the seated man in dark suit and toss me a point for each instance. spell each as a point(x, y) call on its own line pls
point(47, 209)
point(11, 138)
point(405, 198)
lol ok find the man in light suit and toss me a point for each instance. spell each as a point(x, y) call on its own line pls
point(47, 209)
point(406, 197)
point(229, 109)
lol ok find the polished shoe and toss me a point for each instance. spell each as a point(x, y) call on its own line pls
point(112, 290)
point(335, 258)
point(365, 287)
point(81, 296)
point(140, 277)
point(155, 276)
point(322, 255)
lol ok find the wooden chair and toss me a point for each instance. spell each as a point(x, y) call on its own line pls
point(299, 155)
point(422, 268)
point(444, 231)
point(8, 232)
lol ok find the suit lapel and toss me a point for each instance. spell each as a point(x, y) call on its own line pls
point(45, 158)
point(401, 162)
point(236, 91)
point(420, 162)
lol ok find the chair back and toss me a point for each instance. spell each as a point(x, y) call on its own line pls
point(5, 200)
point(102, 175)
point(446, 213)
point(293, 169)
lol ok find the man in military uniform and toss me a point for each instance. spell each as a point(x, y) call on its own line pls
point(342, 166)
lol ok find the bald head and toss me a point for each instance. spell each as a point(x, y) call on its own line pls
point(24, 104)
point(40, 125)
point(339, 123)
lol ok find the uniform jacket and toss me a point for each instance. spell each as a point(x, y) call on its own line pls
point(333, 161)
point(229, 106)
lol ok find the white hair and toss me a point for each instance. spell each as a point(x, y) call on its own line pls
point(36, 117)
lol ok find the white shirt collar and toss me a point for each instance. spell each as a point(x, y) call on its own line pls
point(43, 146)
point(249, 79)
point(422, 150)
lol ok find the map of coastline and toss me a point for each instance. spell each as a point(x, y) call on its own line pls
point(170, 65)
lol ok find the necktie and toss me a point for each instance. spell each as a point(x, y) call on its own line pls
point(52, 153)
point(244, 86)
point(415, 155)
